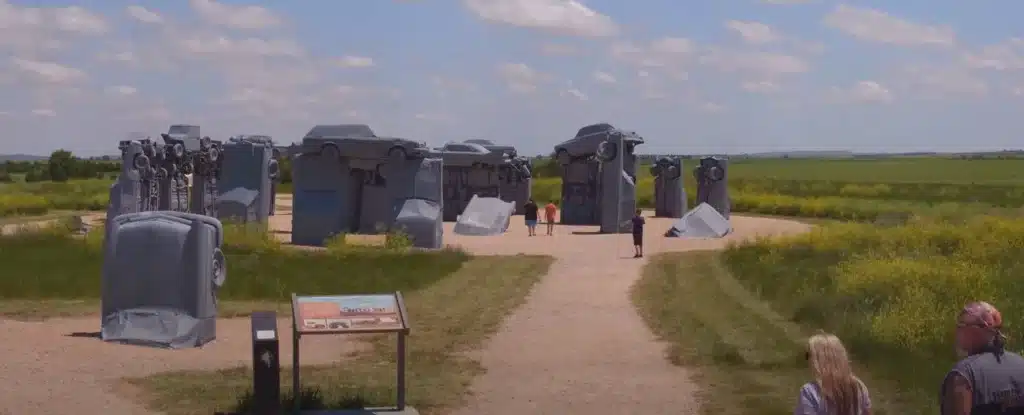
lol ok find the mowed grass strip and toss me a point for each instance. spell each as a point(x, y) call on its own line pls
point(49, 264)
point(747, 358)
point(449, 318)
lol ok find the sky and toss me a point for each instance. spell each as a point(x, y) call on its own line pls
point(691, 77)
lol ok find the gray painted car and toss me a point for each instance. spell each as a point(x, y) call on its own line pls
point(587, 142)
point(488, 144)
point(472, 155)
point(358, 141)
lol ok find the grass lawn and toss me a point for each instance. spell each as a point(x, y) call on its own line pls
point(748, 359)
point(449, 318)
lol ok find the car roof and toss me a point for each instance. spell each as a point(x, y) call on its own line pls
point(342, 130)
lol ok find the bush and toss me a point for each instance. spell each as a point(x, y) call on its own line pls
point(891, 293)
point(41, 197)
point(51, 264)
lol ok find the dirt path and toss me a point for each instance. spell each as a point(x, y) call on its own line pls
point(578, 346)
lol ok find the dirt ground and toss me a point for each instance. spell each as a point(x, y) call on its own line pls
point(577, 346)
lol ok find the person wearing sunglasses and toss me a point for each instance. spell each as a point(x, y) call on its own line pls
point(835, 389)
point(989, 379)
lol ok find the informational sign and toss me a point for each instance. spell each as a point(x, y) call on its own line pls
point(348, 313)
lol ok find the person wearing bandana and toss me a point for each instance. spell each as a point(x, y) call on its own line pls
point(989, 379)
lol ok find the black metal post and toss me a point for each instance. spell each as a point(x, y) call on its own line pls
point(266, 364)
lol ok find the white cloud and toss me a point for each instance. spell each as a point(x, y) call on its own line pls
point(754, 33)
point(520, 77)
point(144, 15)
point(48, 72)
point(604, 77)
point(786, 2)
point(936, 82)
point(864, 91)
point(712, 107)
point(762, 87)
point(575, 93)
point(558, 49)
point(668, 52)
point(227, 48)
point(235, 17)
point(44, 112)
point(36, 29)
point(558, 16)
point(1008, 55)
point(877, 26)
point(75, 19)
point(766, 64)
point(355, 62)
point(122, 90)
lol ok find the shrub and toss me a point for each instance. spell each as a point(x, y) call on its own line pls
point(891, 293)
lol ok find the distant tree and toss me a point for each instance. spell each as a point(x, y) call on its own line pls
point(36, 175)
point(5, 177)
point(62, 165)
point(546, 167)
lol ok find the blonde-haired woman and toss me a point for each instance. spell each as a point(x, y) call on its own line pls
point(835, 390)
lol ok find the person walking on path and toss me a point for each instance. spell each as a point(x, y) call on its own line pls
point(835, 390)
point(549, 214)
point(989, 379)
point(530, 214)
point(638, 234)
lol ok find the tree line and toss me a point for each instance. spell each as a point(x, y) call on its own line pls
point(61, 166)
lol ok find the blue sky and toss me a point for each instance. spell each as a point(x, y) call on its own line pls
point(691, 77)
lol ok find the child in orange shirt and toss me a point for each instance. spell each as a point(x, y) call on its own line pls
point(549, 214)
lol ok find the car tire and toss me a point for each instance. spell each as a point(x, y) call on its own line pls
point(397, 154)
point(607, 151)
point(141, 162)
point(715, 173)
point(672, 173)
point(563, 157)
point(273, 169)
point(330, 151)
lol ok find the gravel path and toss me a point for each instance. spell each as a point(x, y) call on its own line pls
point(577, 346)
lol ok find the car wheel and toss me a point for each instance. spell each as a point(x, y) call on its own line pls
point(716, 173)
point(273, 169)
point(563, 157)
point(330, 151)
point(672, 173)
point(607, 151)
point(141, 162)
point(397, 154)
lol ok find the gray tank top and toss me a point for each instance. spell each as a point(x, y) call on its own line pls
point(997, 382)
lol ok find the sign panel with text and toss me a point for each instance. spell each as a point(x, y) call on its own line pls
point(349, 313)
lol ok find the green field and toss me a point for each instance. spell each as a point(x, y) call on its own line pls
point(946, 170)
point(846, 189)
point(951, 232)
